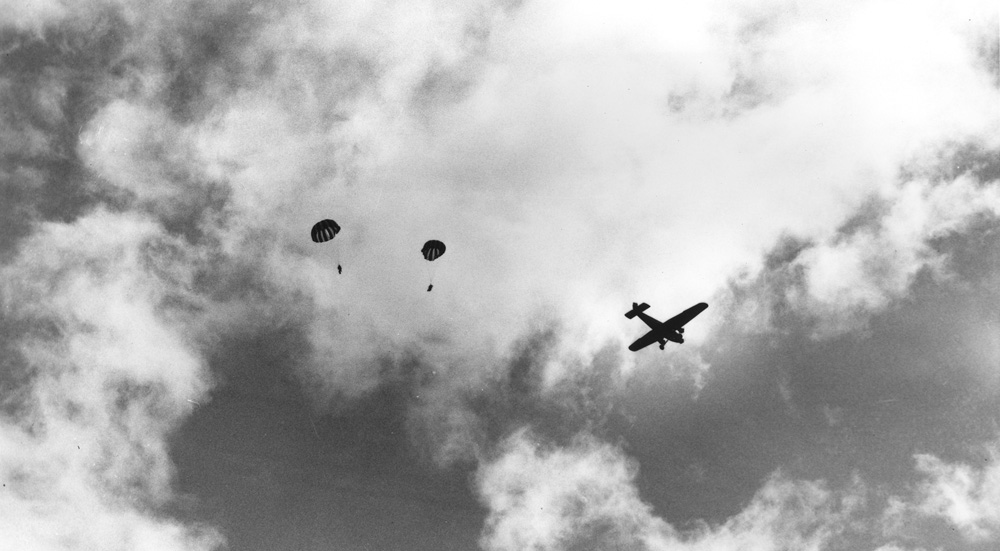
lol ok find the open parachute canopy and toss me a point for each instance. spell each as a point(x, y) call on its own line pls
point(324, 230)
point(432, 249)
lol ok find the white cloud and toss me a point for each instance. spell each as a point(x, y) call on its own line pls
point(85, 462)
point(967, 496)
point(554, 166)
point(550, 497)
point(850, 277)
point(140, 149)
point(896, 547)
point(32, 16)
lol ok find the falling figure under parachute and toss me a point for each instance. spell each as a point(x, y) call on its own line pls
point(432, 250)
point(326, 230)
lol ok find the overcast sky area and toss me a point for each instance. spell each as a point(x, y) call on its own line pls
point(184, 370)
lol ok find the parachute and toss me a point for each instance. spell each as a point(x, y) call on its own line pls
point(324, 231)
point(432, 250)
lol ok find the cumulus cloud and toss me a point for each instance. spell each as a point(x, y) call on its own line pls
point(838, 281)
point(563, 498)
point(104, 371)
point(347, 120)
point(967, 496)
point(583, 496)
point(953, 497)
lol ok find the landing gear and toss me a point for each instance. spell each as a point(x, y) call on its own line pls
point(663, 344)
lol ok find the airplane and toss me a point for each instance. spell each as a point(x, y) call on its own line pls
point(662, 331)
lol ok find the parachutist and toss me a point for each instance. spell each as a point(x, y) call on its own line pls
point(432, 250)
point(323, 232)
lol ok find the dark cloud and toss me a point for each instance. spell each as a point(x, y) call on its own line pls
point(987, 47)
point(306, 465)
point(445, 83)
point(584, 400)
point(453, 420)
point(51, 85)
point(867, 217)
point(211, 52)
point(974, 158)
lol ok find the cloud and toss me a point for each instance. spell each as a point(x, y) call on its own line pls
point(952, 498)
point(562, 498)
point(461, 416)
point(33, 16)
point(967, 496)
point(299, 114)
point(104, 372)
point(583, 496)
point(838, 281)
point(896, 547)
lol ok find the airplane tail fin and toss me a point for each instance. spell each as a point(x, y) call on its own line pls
point(636, 308)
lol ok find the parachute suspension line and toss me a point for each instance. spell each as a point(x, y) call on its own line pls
point(431, 269)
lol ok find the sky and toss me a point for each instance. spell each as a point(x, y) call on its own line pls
point(185, 370)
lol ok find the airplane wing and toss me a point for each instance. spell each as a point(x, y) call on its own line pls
point(644, 341)
point(687, 315)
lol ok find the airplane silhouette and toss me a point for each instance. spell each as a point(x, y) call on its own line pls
point(662, 331)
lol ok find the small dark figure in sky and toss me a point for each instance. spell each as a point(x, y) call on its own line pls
point(429, 287)
point(339, 269)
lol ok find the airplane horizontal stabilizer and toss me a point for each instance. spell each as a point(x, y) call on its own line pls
point(636, 308)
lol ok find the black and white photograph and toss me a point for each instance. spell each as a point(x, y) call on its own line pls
point(499, 275)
